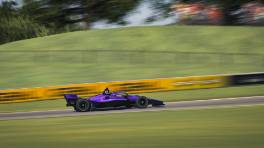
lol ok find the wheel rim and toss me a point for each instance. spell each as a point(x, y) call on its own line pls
point(83, 106)
point(142, 102)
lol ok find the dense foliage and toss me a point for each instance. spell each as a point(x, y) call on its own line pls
point(15, 26)
point(43, 17)
point(37, 18)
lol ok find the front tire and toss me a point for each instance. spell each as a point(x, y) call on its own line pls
point(82, 105)
point(142, 102)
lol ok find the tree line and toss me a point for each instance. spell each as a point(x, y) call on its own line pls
point(36, 18)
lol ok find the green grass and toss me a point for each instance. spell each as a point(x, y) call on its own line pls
point(39, 68)
point(178, 38)
point(77, 57)
point(187, 95)
point(218, 128)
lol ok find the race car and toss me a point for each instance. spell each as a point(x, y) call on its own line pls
point(110, 100)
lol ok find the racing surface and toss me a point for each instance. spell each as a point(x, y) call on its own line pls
point(228, 102)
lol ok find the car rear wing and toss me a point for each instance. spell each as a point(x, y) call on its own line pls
point(71, 99)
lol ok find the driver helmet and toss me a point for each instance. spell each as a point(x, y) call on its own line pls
point(106, 92)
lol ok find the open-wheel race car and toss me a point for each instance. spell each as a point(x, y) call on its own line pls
point(108, 100)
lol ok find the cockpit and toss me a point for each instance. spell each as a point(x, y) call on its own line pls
point(107, 92)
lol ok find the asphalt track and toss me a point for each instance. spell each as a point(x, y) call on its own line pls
point(198, 104)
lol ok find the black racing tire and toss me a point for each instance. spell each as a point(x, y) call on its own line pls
point(142, 102)
point(82, 105)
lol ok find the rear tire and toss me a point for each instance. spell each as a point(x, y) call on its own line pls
point(142, 102)
point(82, 105)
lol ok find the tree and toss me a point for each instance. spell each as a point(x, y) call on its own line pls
point(15, 26)
point(7, 8)
point(58, 14)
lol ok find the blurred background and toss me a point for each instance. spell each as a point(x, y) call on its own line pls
point(60, 42)
point(74, 41)
point(21, 19)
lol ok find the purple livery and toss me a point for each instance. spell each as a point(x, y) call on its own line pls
point(108, 100)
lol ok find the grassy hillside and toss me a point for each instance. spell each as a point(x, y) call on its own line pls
point(218, 128)
point(176, 38)
point(105, 55)
point(134, 53)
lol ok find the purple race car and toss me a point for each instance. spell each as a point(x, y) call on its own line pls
point(108, 100)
